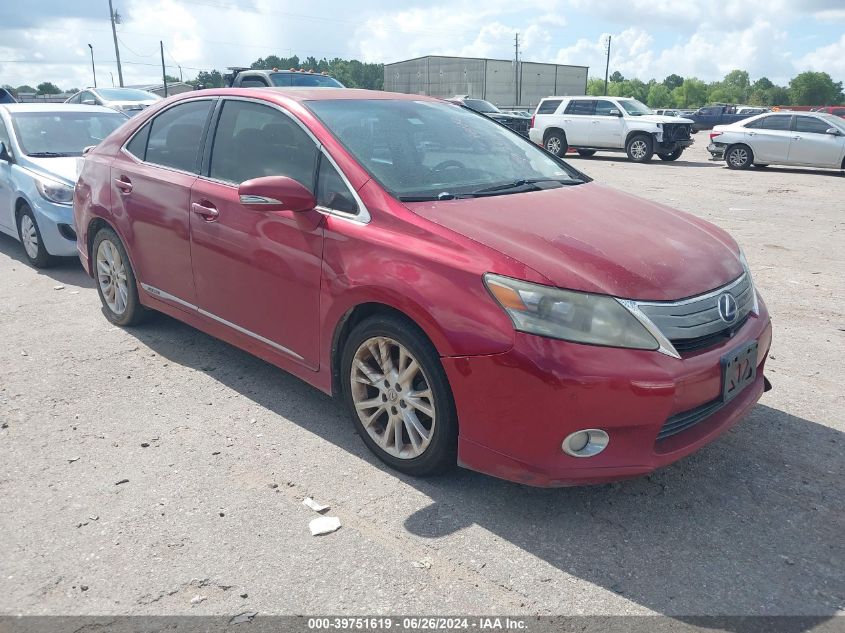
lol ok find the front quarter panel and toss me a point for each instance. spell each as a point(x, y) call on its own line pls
point(91, 200)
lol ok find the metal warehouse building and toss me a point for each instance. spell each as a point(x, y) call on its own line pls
point(491, 79)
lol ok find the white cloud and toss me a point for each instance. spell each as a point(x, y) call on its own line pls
point(830, 59)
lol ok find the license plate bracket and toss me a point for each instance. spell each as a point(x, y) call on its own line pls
point(739, 369)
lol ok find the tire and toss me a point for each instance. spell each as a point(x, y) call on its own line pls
point(739, 157)
point(675, 155)
point(362, 376)
point(555, 142)
point(586, 152)
point(121, 304)
point(640, 148)
point(759, 165)
point(30, 237)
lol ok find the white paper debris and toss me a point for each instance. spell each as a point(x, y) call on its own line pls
point(324, 525)
point(316, 507)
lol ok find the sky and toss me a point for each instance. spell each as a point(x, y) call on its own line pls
point(47, 40)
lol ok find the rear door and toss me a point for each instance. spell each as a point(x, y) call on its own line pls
point(811, 145)
point(577, 121)
point(607, 127)
point(258, 272)
point(151, 194)
point(769, 138)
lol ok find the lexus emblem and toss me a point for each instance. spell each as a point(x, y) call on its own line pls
point(727, 308)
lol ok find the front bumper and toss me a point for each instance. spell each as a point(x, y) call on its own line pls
point(516, 408)
point(671, 146)
point(55, 223)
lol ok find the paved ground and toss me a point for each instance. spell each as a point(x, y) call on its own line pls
point(219, 449)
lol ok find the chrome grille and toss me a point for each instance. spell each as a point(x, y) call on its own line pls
point(695, 323)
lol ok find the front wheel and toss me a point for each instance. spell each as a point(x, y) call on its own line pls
point(399, 397)
point(675, 155)
point(739, 157)
point(30, 236)
point(640, 148)
point(586, 152)
point(116, 283)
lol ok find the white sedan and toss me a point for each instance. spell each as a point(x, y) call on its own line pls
point(808, 139)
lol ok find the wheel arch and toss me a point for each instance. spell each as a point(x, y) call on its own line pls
point(553, 128)
point(634, 133)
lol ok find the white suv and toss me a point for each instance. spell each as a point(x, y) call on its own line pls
point(608, 124)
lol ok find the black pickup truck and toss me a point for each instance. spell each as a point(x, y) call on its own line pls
point(720, 114)
point(253, 78)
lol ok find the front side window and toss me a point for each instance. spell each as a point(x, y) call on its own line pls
point(580, 106)
point(332, 192)
point(432, 150)
point(50, 134)
point(810, 124)
point(604, 108)
point(254, 140)
point(175, 135)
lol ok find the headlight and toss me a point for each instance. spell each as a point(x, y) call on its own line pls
point(571, 316)
point(54, 191)
point(755, 307)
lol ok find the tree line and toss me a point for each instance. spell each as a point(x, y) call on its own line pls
point(807, 88)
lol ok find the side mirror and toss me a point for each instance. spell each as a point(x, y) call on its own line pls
point(614, 112)
point(5, 154)
point(833, 131)
point(89, 102)
point(275, 193)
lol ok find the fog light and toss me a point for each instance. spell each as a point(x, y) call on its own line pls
point(585, 443)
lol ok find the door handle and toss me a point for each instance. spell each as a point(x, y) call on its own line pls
point(796, 138)
point(124, 184)
point(207, 211)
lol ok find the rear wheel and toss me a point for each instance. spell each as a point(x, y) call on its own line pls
point(674, 155)
point(739, 157)
point(30, 236)
point(399, 397)
point(116, 283)
point(586, 152)
point(640, 148)
point(555, 142)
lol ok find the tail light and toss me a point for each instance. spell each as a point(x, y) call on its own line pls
point(532, 122)
point(714, 135)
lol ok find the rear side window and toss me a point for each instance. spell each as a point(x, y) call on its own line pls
point(175, 136)
point(332, 192)
point(548, 106)
point(580, 106)
point(810, 124)
point(254, 140)
point(776, 122)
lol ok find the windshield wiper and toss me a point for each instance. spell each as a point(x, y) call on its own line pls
point(525, 182)
point(49, 154)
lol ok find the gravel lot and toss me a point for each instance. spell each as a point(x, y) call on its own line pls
point(217, 450)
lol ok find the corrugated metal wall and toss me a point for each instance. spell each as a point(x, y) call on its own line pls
point(491, 79)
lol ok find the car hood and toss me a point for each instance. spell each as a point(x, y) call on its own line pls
point(660, 118)
point(592, 238)
point(63, 168)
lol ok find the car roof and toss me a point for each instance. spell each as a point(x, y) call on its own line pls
point(590, 97)
point(53, 107)
point(308, 94)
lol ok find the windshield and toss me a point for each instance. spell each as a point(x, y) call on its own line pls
point(63, 134)
point(634, 107)
point(126, 94)
point(304, 79)
point(833, 120)
point(480, 105)
point(431, 150)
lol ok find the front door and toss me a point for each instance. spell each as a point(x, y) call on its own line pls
point(151, 192)
point(811, 145)
point(258, 272)
point(607, 125)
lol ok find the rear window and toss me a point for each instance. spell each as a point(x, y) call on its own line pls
point(548, 106)
point(580, 106)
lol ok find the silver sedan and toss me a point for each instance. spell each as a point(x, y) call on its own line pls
point(807, 139)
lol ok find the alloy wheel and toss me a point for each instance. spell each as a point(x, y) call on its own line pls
point(553, 145)
point(29, 236)
point(111, 275)
point(393, 397)
point(738, 157)
point(638, 149)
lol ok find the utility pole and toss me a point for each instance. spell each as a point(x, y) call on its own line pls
point(163, 73)
point(180, 74)
point(516, 69)
point(93, 70)
point(607, 65)
point(116, 49)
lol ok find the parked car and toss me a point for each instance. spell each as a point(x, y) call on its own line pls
point(608, 124)
point(472, 298)
point(749, 110)
point(6, 96)
point(256, 78)
point(834, 110)
point(810, 139)
point(515, 122)
point(663, 112)
point(39, 148)
point(128, 100)
point(718, 114)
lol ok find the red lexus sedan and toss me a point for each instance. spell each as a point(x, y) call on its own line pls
point(473, 299)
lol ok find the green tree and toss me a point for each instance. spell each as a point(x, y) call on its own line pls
point(814, 88)
point(47, 88)
point(659, 96)
point(595, 86)
point(691, 93)
point(736, 85)
point(616, 77)
point(26, 89)
point(764, 83)
point(212, 79)
point(673, 81)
